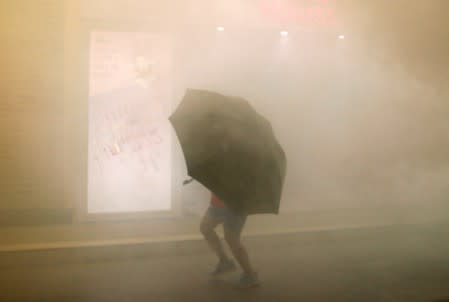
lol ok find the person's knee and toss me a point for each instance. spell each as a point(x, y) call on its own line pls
point(232, 240)
point(205, 229)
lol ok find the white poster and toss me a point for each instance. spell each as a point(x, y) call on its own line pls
point(129, 132)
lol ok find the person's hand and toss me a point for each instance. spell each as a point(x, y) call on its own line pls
point(187, 181)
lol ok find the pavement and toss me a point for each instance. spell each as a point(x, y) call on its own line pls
point(180, 228)
point(389, 263)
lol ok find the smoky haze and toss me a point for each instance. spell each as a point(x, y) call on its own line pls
point(360, 108)
point(363, 120)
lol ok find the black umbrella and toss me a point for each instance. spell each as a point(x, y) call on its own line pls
point(231, 150)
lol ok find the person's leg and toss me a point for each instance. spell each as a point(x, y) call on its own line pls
point(233, 227)
point(207, 228)
point(211, 219)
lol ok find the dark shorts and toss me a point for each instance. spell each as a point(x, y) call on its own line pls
point(231, 221)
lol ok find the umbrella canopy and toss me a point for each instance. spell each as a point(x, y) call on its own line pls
point(231, 150)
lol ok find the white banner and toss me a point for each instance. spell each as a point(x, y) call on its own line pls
point(129, 133)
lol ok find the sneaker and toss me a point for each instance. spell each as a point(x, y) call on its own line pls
point(248, 281)
point(224, 267)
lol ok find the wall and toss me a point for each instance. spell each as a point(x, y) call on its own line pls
point(32, 111)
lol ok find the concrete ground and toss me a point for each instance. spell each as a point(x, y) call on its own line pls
point(395, 263)
point(147, 230)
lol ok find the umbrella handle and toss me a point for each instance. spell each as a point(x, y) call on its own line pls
point(187, 181)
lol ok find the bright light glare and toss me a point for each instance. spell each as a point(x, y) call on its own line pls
point(220, 28)
point(284, 33)
point(341, 37)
